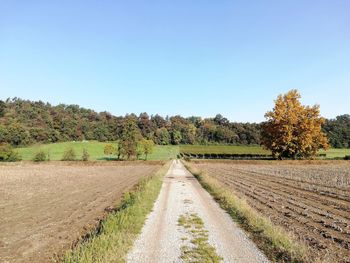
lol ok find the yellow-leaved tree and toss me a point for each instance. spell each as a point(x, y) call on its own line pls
point(293, 130)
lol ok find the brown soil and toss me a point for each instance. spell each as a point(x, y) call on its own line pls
point(311, 201)
point(45, 208)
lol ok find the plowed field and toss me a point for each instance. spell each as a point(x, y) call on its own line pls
point(310, 200)
point(45, 208)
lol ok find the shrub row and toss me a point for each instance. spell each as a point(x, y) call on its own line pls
point(234, 156)
point(68, 155)
point(224, 156)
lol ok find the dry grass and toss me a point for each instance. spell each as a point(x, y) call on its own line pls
point(278, 245)
point(46, 207)
point(116, 234)
point(309, 199)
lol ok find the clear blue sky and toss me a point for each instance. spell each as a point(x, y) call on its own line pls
point(177, 57)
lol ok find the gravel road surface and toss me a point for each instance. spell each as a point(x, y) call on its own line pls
point(162, 238)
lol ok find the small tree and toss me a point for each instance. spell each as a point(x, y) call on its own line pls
point(148, 147)
point(130, 137)
point(140, 149)
point(69, 155)
point(85, 157)
point(118, 151)
point(176, 137)
point(144, 147)
point(293, 130)
point(109, 150)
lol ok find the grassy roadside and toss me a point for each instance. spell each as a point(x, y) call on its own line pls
point(277, 244)
point(116, 234)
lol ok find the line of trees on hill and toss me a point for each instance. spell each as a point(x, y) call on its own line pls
point(24, 122)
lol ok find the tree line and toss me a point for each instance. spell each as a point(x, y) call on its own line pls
point(24, 122)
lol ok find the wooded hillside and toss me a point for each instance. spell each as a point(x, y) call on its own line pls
point(24, 122)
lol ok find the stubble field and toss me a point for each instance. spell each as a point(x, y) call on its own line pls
point(45, 208)
point(311, 200)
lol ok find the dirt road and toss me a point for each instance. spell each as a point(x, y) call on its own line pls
point(165, 239)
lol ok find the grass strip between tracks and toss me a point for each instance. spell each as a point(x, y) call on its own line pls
point(117, 233)
point(277, 244)
point(197, 247)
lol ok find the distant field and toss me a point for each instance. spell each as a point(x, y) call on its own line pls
point(233, 149)
point(166, 152)
point(336, 153)
point(222, 149)
point(94, 148)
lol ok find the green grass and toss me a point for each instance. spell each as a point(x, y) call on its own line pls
point(223, 149)
point(336, 153)
point(56, 150)
point(242, 149)
point(94, 148)
point(117, 233)
point(166, 152)
point(199, 249)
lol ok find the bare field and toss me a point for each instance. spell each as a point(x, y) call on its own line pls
point(44, 208)
point(309, 199)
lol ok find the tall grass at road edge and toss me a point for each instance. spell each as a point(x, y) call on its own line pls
point(118, 231)
point(277, 244)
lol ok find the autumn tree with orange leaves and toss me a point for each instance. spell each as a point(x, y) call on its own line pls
point(293, 130)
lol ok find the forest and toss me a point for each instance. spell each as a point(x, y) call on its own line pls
point(25, 122)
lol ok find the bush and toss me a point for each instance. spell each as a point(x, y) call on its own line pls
point(85, 157)
point(69, 155)
point(187, 159)
point(7, 154)
point(347, 157)
point(40, 156)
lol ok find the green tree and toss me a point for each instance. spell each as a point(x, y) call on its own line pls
point(162, 136)
point(140, 150)
point(338, 131)
point(17, 135)
point(130, 137)
point(2, 108)
point(118, 150)
point(176, 137)
point(144, 124)
point(109, 150)
point(145, 147)
point(7, 154)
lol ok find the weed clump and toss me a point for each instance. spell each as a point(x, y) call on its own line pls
point(86, 156)
point(197, 248)
point(7, 154)
point(40, 156)
point(69, 155)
